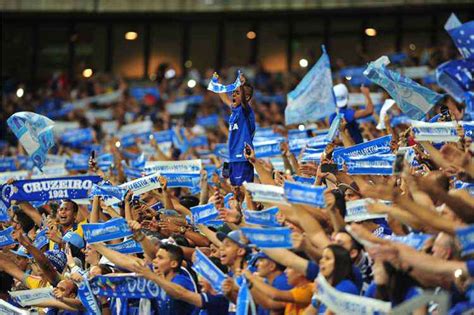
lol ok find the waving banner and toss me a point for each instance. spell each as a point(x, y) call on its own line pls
point(377, 146)
point(206, 268)
point(356, 211)
point(35, 133)
point(462, 35)
point(313, 97)
point(415, 240)
point(377, 164)
point(456, 77)
point(84, 293)
point(267, 148)
point(216, 87)
point(435, 132)
point(205, 213)
point(269, 237)
point(32, 297)
point(103, 232)
point(168, 167)
point(412, 98)
point(124, 285)
point(127, 247)
point(137, 186)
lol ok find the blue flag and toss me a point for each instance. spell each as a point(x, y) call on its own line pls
point(216, 87)
point(462, 35)
point(6, 237)
point(103, 232)
point(35, 133)
point(206, 268)
point(313, 98)
point(456, 77)
point(412, 98)
point(205, 213)
point(270, 237)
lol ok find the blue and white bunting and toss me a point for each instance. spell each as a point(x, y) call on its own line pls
point(265, 218)
point(103, 232)
point(305, 194)
point(206, 269)
point(35, 133)
point(313, 97)
point(412, 98)
point(217, 87)
point(269, 237)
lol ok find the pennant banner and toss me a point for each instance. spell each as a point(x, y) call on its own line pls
point(266, 218)
point(412, 98)
point(466, 238)
point(356, 211)
point(103, 232)
point(344, 303)
point(128, 247)
point(205, 213)
point(266, 193)
point(35, 133)
point(305, 194)
point(32, 297)
point(269, 237)
point(6, 238)
point(206, 268)
point(313, 97)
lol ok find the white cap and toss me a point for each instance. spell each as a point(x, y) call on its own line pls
point(342, 94)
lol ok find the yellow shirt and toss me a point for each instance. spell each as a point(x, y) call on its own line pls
point(35, 282)
point(302, 296)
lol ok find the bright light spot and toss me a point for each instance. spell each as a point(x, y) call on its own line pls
point(20, 92)
point(458, 273)
point(131, 35)
point(301, 127)
point(370, 32)
point(251, 35)
point(117, 144)
point(169, 74)
point(87, 73)
point(412, 46)
point(303, 63)
point(348, 78)
point(188, 64)
point(191, 83)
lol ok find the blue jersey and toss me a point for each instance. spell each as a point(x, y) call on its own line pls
point(352, 125)
point(214, 304)
point(241, 131)
point(166, 305)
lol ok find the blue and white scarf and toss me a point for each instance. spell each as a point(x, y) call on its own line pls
point(103, 232)
point(217, 87)
point(269, 237)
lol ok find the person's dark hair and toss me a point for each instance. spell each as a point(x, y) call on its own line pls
point(75, 207)
point(105, 269)
point(25, 221)
point(342, 264)
point(248, 91)
point(189, 201)
point(180, 240)
point(340, 201)
point(354, 244)
point(175, 252)
point(6, 282)
point(399, 282)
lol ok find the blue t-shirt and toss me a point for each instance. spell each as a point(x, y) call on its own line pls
point(214, 304)
point(411, 293)
point(352, 124)
point(346, 286)
point(241, 131)
point(281, 283)
point(169, 306)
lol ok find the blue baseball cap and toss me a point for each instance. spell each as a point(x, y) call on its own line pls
point(74, 239)
point(235, 236)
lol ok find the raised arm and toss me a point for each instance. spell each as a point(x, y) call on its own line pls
point(287, 258)
point(271, 292)
point(30, 211)
point(121, 260)
point(369, 105)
